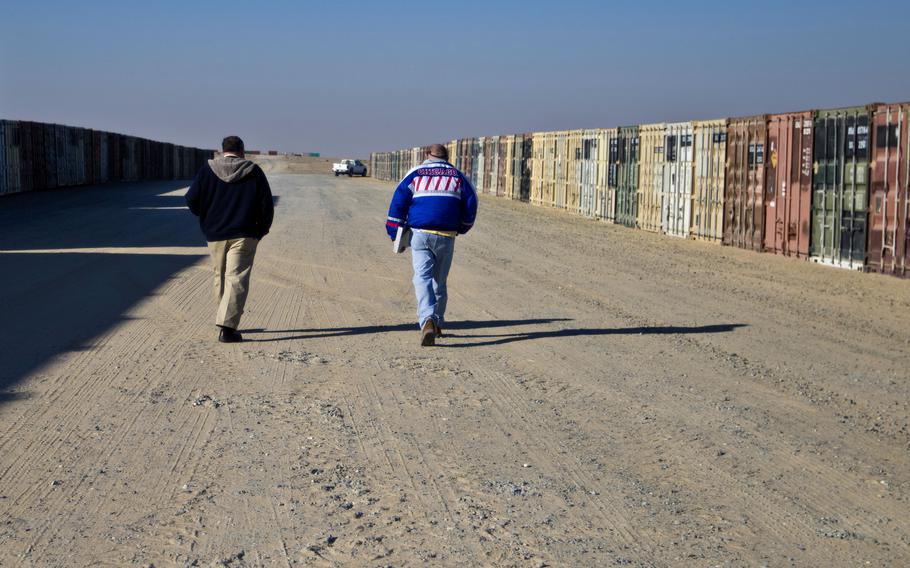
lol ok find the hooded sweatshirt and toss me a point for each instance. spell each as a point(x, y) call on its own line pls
point(232, 198)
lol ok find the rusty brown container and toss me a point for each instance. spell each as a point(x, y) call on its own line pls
point(788, 183)
point(889, 208)
point(744, 211)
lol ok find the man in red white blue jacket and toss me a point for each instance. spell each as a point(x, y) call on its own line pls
point(437, 202)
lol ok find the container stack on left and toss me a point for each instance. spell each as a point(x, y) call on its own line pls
point(35, 155)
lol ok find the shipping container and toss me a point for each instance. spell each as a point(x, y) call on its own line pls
point(623, 174)
point(650, 186)
point(40, 152)
point(605, 194)
point(840, 197)
point(495, 166)
point(572, 202)
point(26, 157)
point(480, 162)
point(452, 148)
point(527, 151)
point(79, 156)
point(502, 166)
point(788, 194)
point(13, 157)
point(489, 165)
point(88, 153)
point(507, 159)
point(708, 188)
point(744, 211)
point(676, 179)
point(560, 168)
point(587, 171)
point(4, 167)
point(59, 136)
point(889, 212)
point(543, 169)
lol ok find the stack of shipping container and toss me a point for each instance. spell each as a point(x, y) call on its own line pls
point(36, 156)
point(826, 185)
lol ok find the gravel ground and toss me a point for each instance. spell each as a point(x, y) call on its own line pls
point(602, 396)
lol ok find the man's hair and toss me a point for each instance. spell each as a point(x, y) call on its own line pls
point(232, 144)
point(438, 151)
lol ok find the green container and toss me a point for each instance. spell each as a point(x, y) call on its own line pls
point(623, 174)
point(840, 186)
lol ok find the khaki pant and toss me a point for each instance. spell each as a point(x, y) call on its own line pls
point(233, 263)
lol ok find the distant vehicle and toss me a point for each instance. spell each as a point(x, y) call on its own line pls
point(349, 168)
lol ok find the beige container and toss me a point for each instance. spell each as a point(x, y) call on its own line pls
point(605, 199)
point(543, 176)
point(508, 143)
point(452, 148)
point(708, 187)
point(573, 181)
point(560, 168)
point(650, 189)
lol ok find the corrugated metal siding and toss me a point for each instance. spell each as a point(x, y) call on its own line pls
point(710, 179)
point(35, 156)
point(744, 211)
point(12, 156)
point(624, 152)
point(840, 197)
point(889, 214)
point(650, 188)
point(3, 161)
point(765, 182)
point(788, 196)
point(676, 179)
point(572, 172)
point(605, 200)
point(587, 170)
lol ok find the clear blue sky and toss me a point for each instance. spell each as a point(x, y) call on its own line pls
point(349, 77)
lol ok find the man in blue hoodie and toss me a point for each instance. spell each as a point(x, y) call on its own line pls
point(233, 200)
point(437, 202)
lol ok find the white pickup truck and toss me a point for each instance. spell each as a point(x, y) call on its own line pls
point(349, 168)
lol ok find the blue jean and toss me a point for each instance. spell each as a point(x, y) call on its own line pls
point(431, 256)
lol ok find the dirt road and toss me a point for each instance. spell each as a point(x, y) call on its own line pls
point(603, 396)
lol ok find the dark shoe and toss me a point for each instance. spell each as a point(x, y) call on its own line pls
point(437, 330)
point(229, 335)
point(428, 334)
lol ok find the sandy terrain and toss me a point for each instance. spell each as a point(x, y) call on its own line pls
point(603, 397)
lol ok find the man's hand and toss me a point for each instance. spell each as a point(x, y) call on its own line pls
point(391, 227)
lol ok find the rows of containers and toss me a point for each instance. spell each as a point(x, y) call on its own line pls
point(826, 185)
point(35, 155)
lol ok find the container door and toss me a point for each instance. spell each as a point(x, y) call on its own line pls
point(4, 166)
point(889, 250)
point(799, 215)
point(840, 200)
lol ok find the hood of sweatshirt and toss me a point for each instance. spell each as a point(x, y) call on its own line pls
point(231, 168)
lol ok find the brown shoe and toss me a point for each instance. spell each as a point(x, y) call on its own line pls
point(428, 333)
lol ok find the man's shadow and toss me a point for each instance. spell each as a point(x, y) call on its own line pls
point(581, 332)
point(372, 329)
point(489, 339)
